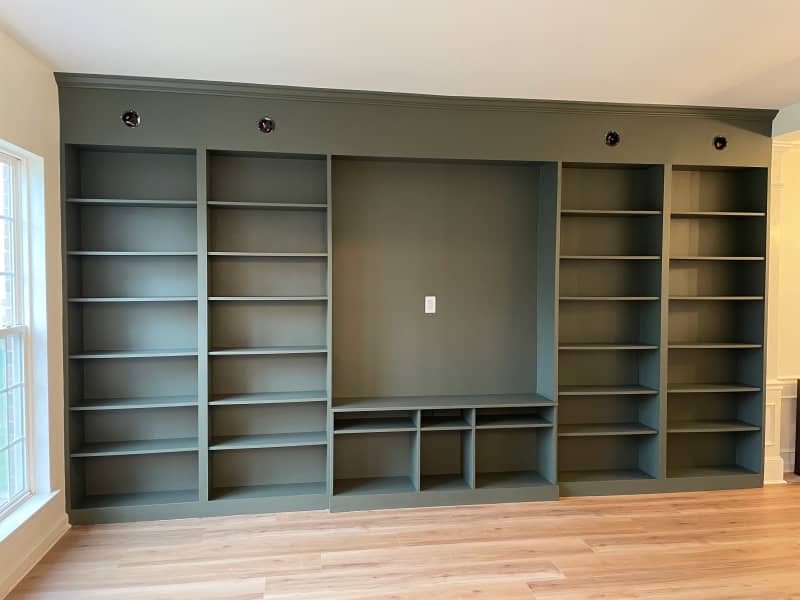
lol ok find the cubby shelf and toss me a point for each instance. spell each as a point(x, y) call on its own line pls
point(269, 205)
point(167, 353)
point(268, 398)
point(130, 448)
point(132, 202)
point(271, 254)
point(268, 298)
point(604, 429)
point(714, 346)
point(719, 258)
point(605, 390)
point(373, 485)
point(708, 471)
point(710, 426)
point(705, 388)
point(269, 350)
point(135, 403)
point(500, 421)
point(444, 423)
point(443, 483)
point(602, 475)
point(609, 257)
point(130, 253)
point(608, 212)
point(509, 479)
point(718, 298)
point(268, 491)
point(138, 499)
point(609, 347)
point(269, 440)
point(379, 425)
point(690, 214)
point(608, 298)
point(135, 299)
point(439, 402)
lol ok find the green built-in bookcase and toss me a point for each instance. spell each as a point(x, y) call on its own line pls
point(245, 325)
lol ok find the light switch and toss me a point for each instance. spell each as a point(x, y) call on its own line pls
point(430, 305)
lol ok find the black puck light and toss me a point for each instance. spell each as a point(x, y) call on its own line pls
point(131, 118)
point(612, 138)
point(720, 142)
point(266, 125)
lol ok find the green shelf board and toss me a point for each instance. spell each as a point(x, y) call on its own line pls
point(692, 214)
point(268, 491)
point(510, 422)
point(596, 347)
point(602, 475)
point(610, 257)
point(588, 212)
point(135, 403)
point(713, 346)
point(604, 429)
point(605, 390)
point(378, 425)
point(443, 483)
point(704, 388)
point(372, 485)
point(130, 253)
point(268, 205)
point(135, 299)
point(444, 423)
point(719, 298)
point(137, 499)
point(269, 398)
point(270, 254)
point(608, 298)
point(268, 350)
point(710, 427)
point(267, 298)
point(439, 402)
point(166, 353)
point(131, 448)
point(268, 440)
point(509, 479)
point(134, 202)
point(708, 471)
point(718, 258)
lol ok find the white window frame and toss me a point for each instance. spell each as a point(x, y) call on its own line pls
point(21, 258)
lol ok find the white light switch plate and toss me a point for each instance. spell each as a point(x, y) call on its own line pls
point(430, 305)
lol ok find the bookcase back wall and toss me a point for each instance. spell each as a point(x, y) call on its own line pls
point(244, 312)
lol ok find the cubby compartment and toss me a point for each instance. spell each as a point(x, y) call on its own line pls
point(445, 419)
point(712, 278)
point(612, 415)
point(604, 187)
point(267, 472)
point(134, 431)
point(119, 175)
point(713, 454)
point(268, 326)
point(718, 189)
point(582, 371)
point(379, 421)
point(723, 237)
point(131, 278)
point(612, 323)
point(715, 324)
point(375, 463)
point(248, 231)
point(272, 277)
point(607, 458)
point(714, 413)
point(609, 279)
point(606, 235)
point(132, 383)
point(513, 417)
point(133, 480)
point(267, 379)
point(263, 180)
point(695, 370)
point(447, 460)
point(132, 329)
point(517, 457)
point(276, 425)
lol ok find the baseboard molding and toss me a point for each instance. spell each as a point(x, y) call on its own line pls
point(773, 470)
point(788, 460)
point(34, 555)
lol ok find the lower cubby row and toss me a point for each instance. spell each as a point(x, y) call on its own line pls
point(443, 460)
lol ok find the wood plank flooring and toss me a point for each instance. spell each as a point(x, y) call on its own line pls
point(702, 546)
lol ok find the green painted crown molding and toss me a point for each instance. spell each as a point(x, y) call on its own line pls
point(304, 94)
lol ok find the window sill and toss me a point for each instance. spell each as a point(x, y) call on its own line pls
point(26, 510)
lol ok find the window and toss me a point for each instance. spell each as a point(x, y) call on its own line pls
point(14, 429)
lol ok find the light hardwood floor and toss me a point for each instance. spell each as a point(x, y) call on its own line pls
point(732, 544)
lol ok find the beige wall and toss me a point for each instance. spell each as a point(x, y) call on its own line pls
point(29, 120)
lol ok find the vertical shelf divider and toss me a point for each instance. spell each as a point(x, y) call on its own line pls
point(468, 460)
point(663, 398)
point(329, 324)
point(202, 324)
point(416, 452)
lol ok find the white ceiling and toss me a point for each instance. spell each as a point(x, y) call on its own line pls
point(699, 52)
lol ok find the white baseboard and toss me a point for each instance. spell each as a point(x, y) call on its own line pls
point(773, 470)
point(34, 555)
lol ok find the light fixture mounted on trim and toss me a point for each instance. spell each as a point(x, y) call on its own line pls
point(612, 138)
point(266, 125)
point(720, 142)
point(131, 118)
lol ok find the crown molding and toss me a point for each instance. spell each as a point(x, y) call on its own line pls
point(304, 94)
